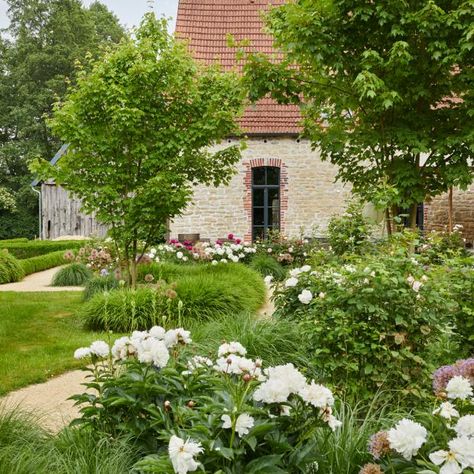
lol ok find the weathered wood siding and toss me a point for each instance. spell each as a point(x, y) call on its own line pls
point(62, 216)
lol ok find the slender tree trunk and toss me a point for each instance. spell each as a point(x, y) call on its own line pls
point(388, 222)
point(450, 210)
point(413, 212)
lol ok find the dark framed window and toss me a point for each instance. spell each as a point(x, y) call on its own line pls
point(265, 201)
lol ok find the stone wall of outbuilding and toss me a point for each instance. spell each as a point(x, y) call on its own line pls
point(309, 194)
point(436, 212)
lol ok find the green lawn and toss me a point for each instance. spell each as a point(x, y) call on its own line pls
point(38, 335)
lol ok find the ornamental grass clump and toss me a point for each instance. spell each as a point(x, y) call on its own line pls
point(74, 274)
point(10, 268)
point(441, 440)
point(267, 265)
point(99, 284)
point(187, 411)
point(373, 320)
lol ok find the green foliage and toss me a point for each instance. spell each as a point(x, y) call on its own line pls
point(11, 241)
point(38, 52)
point(74, 274)
point(99, 284)
point(437, 247)
point(23, 250)
point(349, 232)
point(385, 79)
point(42, 262)
point(194, 293)
point(26, 448)
point(267, 265)
point(142, 122)
point(372, 320)
point(10, 268)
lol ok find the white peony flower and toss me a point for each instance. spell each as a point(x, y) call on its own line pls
point(317, 395)
point(268, 280)
point(459, 387)
point(416, 286)
point(272, 391)
point(231, 348)
point(185, 259)
point(305, 268)
point(214, 262)
point(333, 422)
point(100, 349)
point(223, 260)
point(179, 255)
point(242, 426)
point(152, 351)
point(459, 456)
point(177, 336)
point(123, 348)
point(305, 297)
point(157, 332)
point(465, 426)
point(182, 454)
point(269, 250)
point(198, 362)
point(291, 282)
point(234, 258)
point(293, 377)
point(295, 272)
point(82, 352)
point(446, 410)
point(322, 295)
point(407, 438)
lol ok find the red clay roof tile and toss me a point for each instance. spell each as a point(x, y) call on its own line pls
point(206, 24)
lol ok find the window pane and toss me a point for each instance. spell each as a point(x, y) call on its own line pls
point(274, 197)
point(258, 197)
point(274, 217)
point(259, 175)
point(273, 175)
point(258, 214)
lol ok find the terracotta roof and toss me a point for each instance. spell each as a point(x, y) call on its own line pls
point(206, 24)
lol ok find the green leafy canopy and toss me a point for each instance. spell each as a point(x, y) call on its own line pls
point(141, 124)
point(386, 89)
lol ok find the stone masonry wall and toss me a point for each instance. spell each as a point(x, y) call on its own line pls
point(309, 195)
point(436, 212)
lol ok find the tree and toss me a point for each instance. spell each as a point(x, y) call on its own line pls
point(139, 126)
point(385, 87)
point(37, 61)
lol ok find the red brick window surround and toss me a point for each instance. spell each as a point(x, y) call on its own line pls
point(247, 198)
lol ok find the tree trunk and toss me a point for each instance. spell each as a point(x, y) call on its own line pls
point(388, 222)
point(413, 212)
point(450, 210)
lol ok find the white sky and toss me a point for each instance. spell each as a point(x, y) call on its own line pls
point(129, 12)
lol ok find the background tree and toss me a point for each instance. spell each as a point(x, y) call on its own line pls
point(386, 90)
point(139, 126)
point(37, 61)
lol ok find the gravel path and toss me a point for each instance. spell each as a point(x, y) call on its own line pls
point(49, 401)
point(38, 282)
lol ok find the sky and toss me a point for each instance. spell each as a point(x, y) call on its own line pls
point(129, 12)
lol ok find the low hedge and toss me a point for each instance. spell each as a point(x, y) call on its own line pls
point(12, 241)
point(10, 268)
point(42, 262)
point(34, 248)
point(206, 292)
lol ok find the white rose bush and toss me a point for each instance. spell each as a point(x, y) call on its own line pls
point(189, 412)
point(437, 442)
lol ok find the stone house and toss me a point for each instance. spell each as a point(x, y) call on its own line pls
point(280, 183)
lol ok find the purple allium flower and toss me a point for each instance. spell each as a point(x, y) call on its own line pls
point(442, 376)
point(379, 444)
point(104, 272)
point(466, 369)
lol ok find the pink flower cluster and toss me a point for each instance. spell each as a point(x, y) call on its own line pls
point(442, 376)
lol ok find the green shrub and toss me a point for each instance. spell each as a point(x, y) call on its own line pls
point(42, 262)
point(12, 241)
point(125, 310)
point(34, 248)
point(267, 265)
point(348, 233)
point(99, 284)
point(373, 321)
point(205, 291)
point(74, 274)
point(10, 268)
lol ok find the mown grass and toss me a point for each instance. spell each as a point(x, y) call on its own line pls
point(38, 335)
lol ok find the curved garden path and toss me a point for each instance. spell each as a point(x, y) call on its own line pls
point(40, 281)
point(49, 401)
